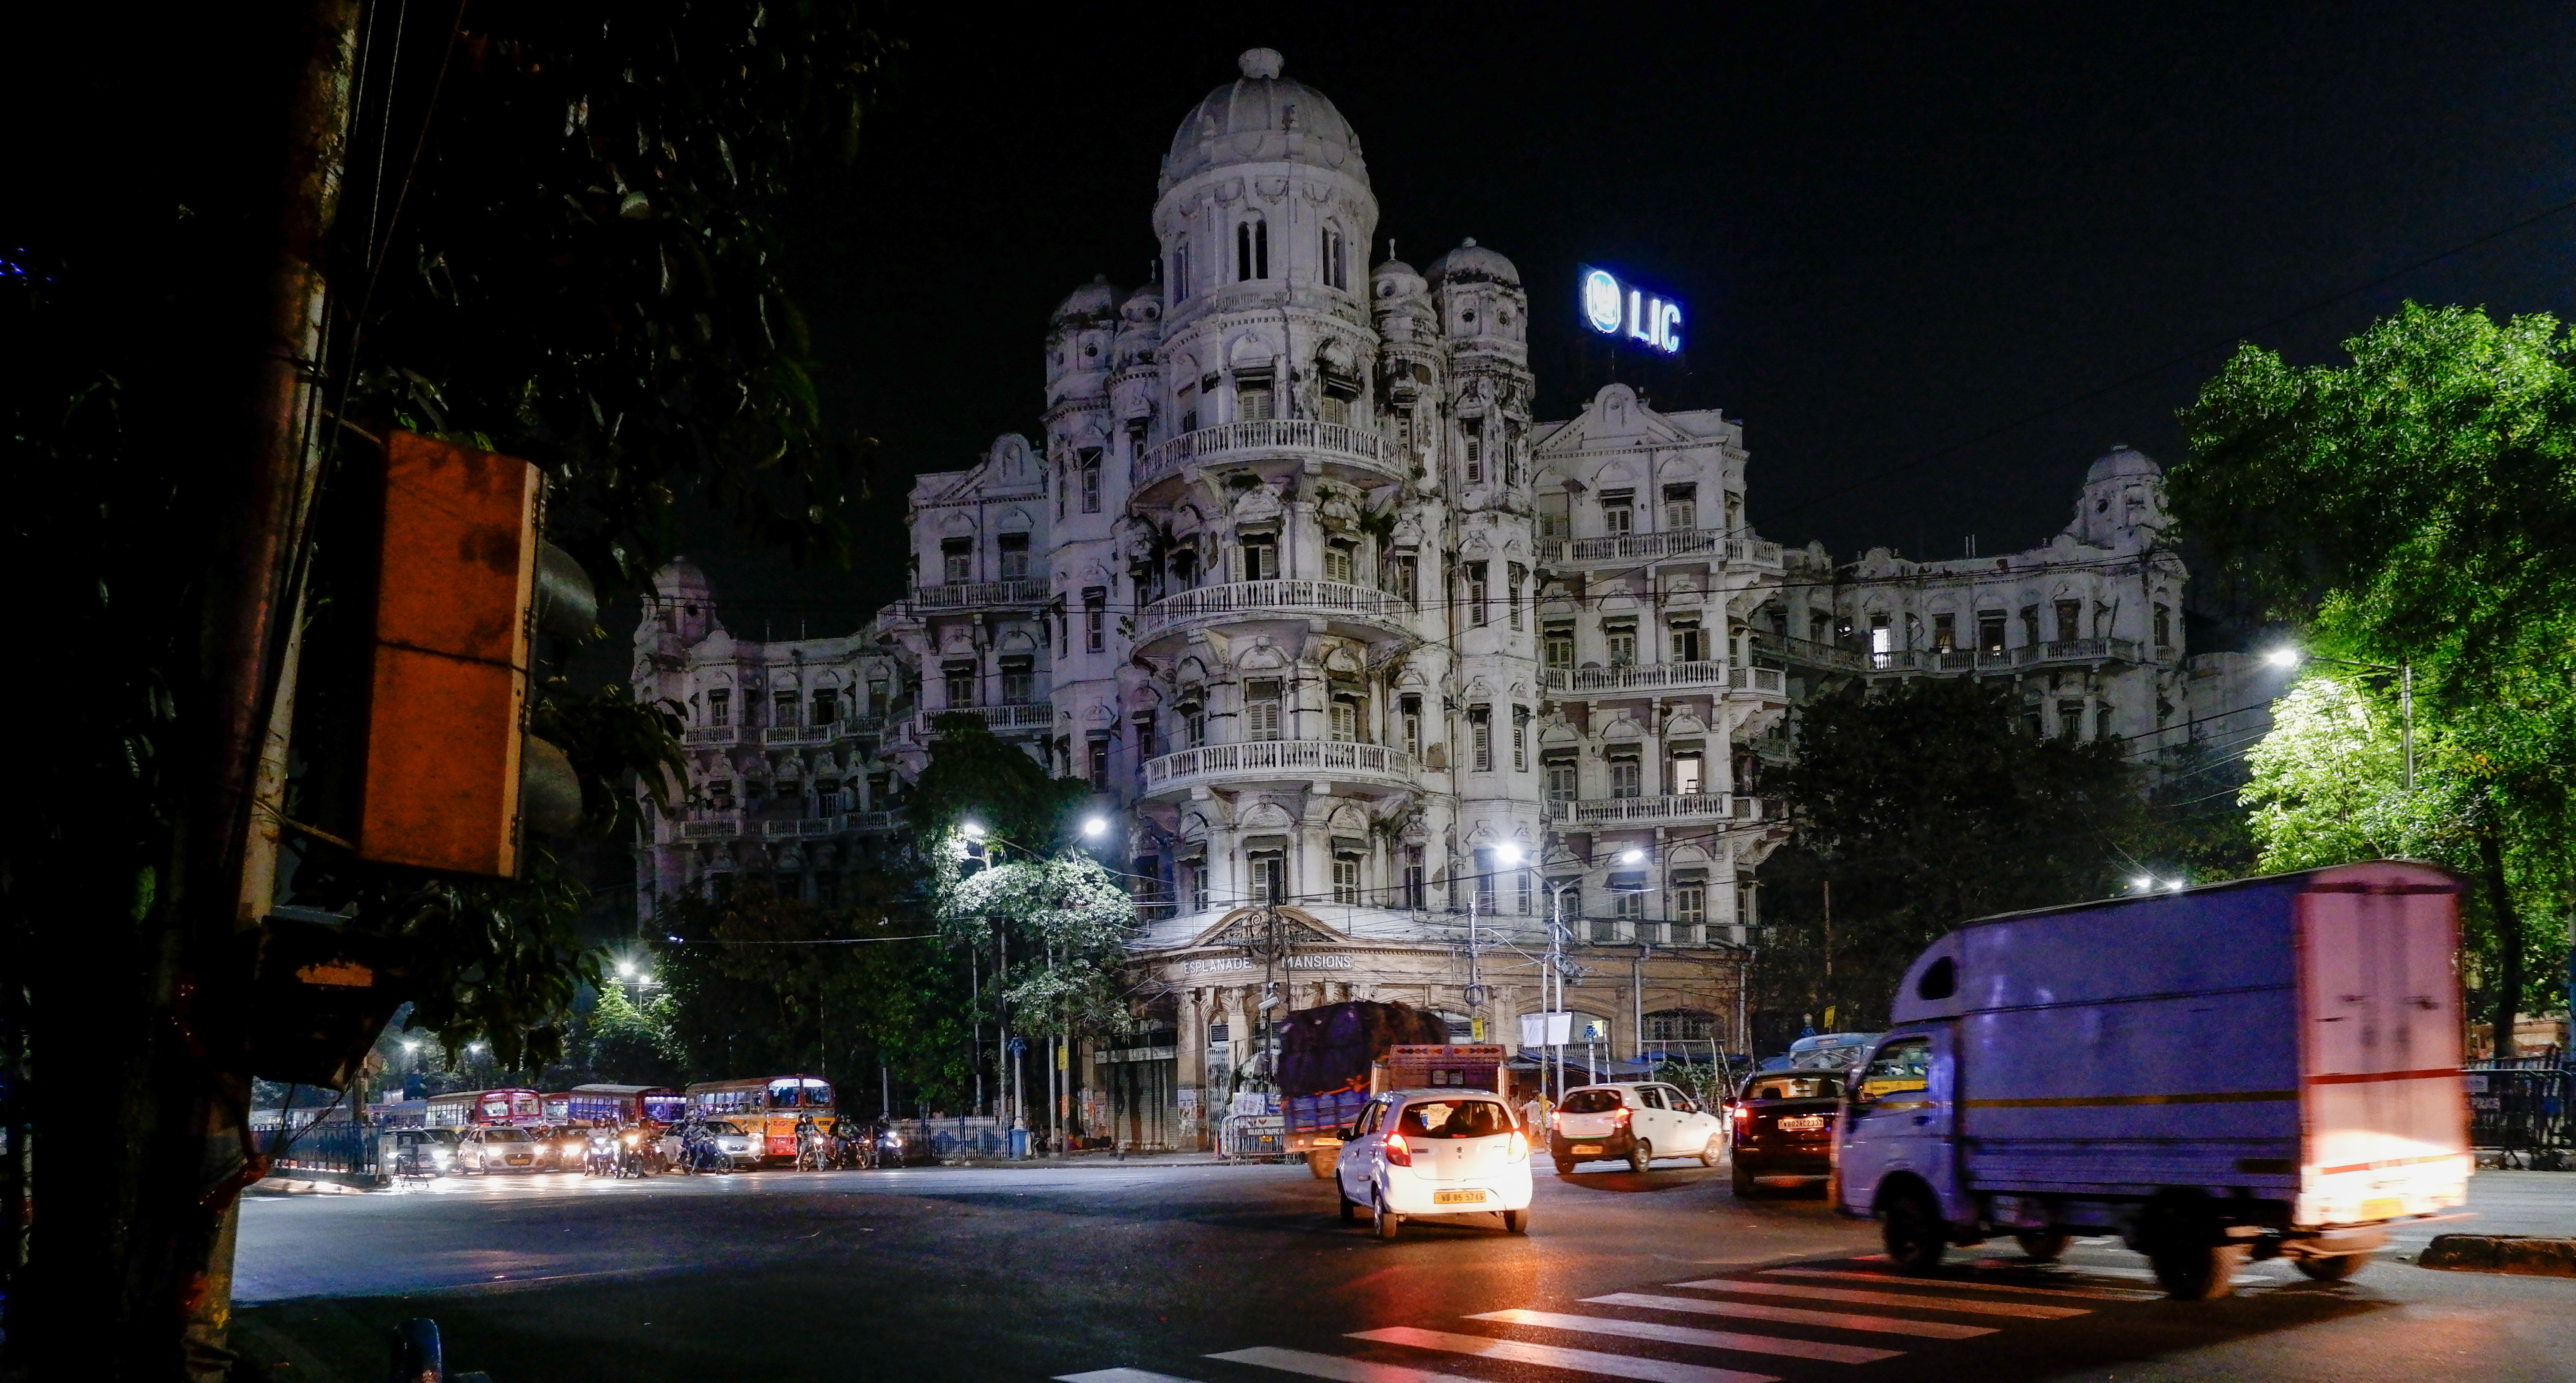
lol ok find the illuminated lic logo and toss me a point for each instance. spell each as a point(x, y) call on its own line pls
point(1631, 314)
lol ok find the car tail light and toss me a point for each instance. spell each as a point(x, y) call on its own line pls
point(1557, 1122)
point(1518, 1149)
point(1743, 1115)
point(1619, 1119)
point(1397, 1154)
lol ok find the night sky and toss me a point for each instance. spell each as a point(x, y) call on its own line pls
point(1936, 263)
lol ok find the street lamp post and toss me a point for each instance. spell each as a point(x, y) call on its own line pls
point(2291, 657)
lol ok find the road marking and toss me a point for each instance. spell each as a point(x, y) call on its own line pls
point(1758, 1311)
point(1336, 1367)
point(2025, 1309)
point(1687, 1335)
point(2086, 1293)
point(1122, 1376)
point(1551, 1356)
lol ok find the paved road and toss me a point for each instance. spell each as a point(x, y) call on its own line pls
point(1245, 1275)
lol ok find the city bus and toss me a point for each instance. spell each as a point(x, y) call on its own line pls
point(615, 1106)
point(768, 1105)
point(480, 1108)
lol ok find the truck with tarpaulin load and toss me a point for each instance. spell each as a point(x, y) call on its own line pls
point(1333, 1058)
point(2257, 1069)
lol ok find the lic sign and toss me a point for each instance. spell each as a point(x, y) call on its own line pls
point(1625, 312)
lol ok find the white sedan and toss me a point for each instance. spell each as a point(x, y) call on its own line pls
point(1434, 1152)
point(1635, 1122)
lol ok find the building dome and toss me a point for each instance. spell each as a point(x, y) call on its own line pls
point(1092, 300)
point(2122, 462)
point(1396, 279)
point(1263, 118)
point(683, 581)
point(1473, 263)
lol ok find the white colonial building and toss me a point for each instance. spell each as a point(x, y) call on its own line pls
point(1331, 621)
point(785, 780)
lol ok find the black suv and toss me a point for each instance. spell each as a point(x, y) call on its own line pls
point(1783, 1126)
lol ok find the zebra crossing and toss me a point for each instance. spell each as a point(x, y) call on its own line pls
point(1671, 1335)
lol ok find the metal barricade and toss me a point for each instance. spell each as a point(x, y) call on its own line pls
point(1252, 1135)
point(2519, 1109)
point(329, 1146)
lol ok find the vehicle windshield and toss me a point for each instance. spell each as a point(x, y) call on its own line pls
point(1591, 1102)
point(438, 1135)
point(723, 1126)
point(1454, 1119)
point(505, 1135)
point(1796, 1088)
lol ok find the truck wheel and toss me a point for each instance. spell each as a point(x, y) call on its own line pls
point(1641, 1155)
point(1516, 1221)
point(1746, 1188)
point(2043, 1245)
point(2332, 1267)
point(1386, 1222)
point(1320, 1161)
point(2197, 1272)
point(1912, 1229)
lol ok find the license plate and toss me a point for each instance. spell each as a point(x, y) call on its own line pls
point(519, 1159)
point(1586, 1147)
point(1456, 1197)
point(1807, 1123)
point(2387, 1209)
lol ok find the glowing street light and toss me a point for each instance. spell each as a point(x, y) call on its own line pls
point(1507, 854)
point(1094, 826)
point(2142, 884)
point(1632, 856)
point(625, 969)
point(2288, 656)
point(974, 830)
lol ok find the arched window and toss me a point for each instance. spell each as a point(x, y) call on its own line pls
point(1334, 273)
point(1251, 249)
point(1180, 267)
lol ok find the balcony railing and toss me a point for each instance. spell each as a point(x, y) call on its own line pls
point(1642, 811)
point(837, 824)
point(1036, 715)
point(1709, 543)
point(1272, 599)
point(1311, 436)
point(1770, 680)
point(720, 827)
point(843, 728)
point(1645, 677)
point(1808, 651)
point(1279, 758)
point(2079, 651)
point(980, 595)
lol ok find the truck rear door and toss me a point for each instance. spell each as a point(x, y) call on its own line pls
point(2383, 1110)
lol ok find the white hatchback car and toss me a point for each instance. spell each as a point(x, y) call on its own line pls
point(740, 1150)
point(1434, 1152)
point(1636, 1122)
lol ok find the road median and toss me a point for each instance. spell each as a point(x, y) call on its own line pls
point(2529, 1255)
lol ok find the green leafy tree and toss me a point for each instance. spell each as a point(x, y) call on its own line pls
point(1072, 921)
point(1921, 806)
point(2417, 507)
point(976, 776)
point(631, 1043)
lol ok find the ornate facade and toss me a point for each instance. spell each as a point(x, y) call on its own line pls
point(1378, 671)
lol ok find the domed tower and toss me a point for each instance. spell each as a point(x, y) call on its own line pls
point(1283, 533)
point(1482, 315)
point(2123, 504)
point(684, 609)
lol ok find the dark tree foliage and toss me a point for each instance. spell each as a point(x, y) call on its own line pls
point(762, 985)
point(975, 775)
point(1923, 805)
point(584, 269)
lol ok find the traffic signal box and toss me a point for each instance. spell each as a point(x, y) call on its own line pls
point(455, 596)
